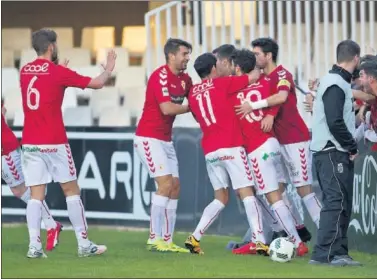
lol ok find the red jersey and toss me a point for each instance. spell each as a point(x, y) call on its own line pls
point(163, 86)
point(211, 105)
point(289, 127)
point(9, 142)
point(42, 86)
point(253, 134)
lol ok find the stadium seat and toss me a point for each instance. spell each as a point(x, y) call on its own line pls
point(27, 56)
point(10, 79)
point(70, 98)
point(12, 101)
point(114, 117)
point(90, 71)
point(78, 117)
point(104, 98)
point(122, 58)
point(134, 39)
point(153, 60)
point(18, 120)
point(130, 77)
point(7, 58)
point(78, 57)
point(95, 38)
point(16, 39)
point(65, 36)
point(134, 99)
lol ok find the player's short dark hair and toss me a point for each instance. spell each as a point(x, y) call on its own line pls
point(245, 59)
point(204, 63)
point(368, 57)
point(224, 52)
point(267, 45)
point(370, 68)
point(41, 40)
point(172, 46)
point(346, 51)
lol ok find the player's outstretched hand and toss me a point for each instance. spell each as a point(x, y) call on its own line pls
point(267, 123)
point(243, 109)
point(110, 61)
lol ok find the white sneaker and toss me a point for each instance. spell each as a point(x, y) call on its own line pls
point(92, 250)
point(35, 253)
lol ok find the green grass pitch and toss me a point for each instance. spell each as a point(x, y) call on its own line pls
point(127, 257)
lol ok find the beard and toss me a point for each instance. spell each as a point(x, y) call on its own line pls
point(54, 56)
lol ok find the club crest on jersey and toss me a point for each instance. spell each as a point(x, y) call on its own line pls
point(183, 83)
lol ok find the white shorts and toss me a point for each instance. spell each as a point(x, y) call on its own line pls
point(43, 164)
point(296, 166)
point(226, 163)
point(264, 162)
point(157, 156)
point(11, 170)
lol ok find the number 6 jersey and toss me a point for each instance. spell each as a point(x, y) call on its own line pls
point(210, 102)
point(42, 87)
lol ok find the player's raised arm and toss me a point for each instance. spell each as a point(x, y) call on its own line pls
point(99, 81)
point(69, 78)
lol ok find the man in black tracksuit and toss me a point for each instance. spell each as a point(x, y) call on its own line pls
point(334, 150)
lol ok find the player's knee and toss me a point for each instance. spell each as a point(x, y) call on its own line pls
point(273, 197)
point(165, 185)
point(304, 190)
point(38, 192)
point(176, 188)
point(19, 190)
point(222, 195)
point(245, 192)
point(282, 187)
point(70, 188)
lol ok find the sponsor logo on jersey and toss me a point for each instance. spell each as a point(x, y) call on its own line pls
point(38, 149)
point(222, 158)
point(36, 68)
point(271, 154)
point(204, 86)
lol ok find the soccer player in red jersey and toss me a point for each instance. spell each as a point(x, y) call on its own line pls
point(222, 145)
point(262, 147)
point(167, 87)
point(289, 128)
point(11, 173)
point(46, 154)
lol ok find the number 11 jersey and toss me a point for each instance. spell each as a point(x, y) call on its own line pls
point(42, 87)
point(211, 106)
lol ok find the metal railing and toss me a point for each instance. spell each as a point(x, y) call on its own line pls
point(307, 31)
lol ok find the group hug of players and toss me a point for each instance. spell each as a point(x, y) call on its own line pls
point(254, 139)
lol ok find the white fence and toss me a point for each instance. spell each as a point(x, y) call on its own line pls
point(307, 49)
